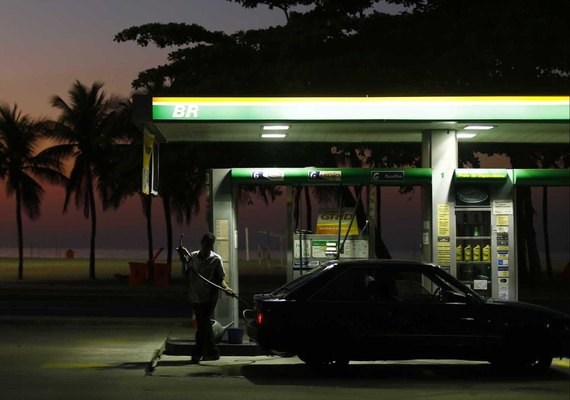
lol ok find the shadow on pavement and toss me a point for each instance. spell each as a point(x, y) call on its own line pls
point(301, 374)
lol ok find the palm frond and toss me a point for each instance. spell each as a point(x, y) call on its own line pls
point(58, 153)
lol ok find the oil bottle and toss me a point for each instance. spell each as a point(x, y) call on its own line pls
point(467, 253)
point(459, 252)
point(487, 253)
point(477, 253)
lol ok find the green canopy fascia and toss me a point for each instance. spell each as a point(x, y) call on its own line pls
point(331, 176)
point(542, 177)
point(393, 176)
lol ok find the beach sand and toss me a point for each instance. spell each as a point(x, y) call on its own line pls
point(62, 269)
point(106, 269)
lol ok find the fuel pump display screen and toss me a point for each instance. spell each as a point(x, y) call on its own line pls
point(317, 249)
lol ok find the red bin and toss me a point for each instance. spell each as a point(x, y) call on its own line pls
point(138, 273)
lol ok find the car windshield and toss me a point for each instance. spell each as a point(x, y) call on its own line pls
point(295, 283)
point(457, 286)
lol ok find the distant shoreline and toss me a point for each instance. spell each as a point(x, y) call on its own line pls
point(62, 269)
point(79, 253)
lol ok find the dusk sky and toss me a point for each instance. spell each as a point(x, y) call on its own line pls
point(45, 45)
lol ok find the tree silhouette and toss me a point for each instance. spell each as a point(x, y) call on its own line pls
point(522, 156)
point(120, 177)
point(341, 48)
point(21, 164)
point(336, 47)
point(86, 127)
point(182, 183)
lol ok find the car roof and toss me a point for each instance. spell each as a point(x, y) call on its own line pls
point(385, 263)
point(336, 267)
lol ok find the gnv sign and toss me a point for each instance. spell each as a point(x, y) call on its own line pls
point(472, 195)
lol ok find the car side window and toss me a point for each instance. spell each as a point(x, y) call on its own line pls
point(417, 287)
point(360, 284)
point(349, 286)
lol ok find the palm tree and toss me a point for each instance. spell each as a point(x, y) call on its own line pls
point(182, 183)
point(120, 177)
point(87, 128)
point(21, 163)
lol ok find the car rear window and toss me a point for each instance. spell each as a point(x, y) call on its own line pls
point(295, 283)
point(360, 284)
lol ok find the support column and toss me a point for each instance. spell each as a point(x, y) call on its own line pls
point(223, 223)
point(440, 153)
point(290, 234)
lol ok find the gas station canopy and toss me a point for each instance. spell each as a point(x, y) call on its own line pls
point(467, 218)
point(513, 119)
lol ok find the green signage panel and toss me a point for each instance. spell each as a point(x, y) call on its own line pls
point(393, 177)
point(519, 108)
point(331, 176)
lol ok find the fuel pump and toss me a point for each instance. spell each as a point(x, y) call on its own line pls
point(335, 236)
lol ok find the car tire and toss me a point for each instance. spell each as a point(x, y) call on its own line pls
point(517, 355)
point(542, 363)
point(536, 364)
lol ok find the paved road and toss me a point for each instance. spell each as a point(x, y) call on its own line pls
point(118, 358)
point(92, 298)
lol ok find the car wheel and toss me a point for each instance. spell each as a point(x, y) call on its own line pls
point(517, 354)
point(542, 363)
point(538, 363)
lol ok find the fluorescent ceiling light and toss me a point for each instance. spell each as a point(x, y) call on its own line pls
point(273, 135)
point(275, 127)
point(478, 127)
point(465, 135)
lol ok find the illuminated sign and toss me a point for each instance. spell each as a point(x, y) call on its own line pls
point(268, 174)
point(328, 223)
point(325, 176)
point(498, 175)
point(185, 111)
point(149, 172)
point(477, 108)
point(471, 175)
point(377, 176)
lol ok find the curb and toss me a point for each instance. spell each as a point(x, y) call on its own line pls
point(183, 347)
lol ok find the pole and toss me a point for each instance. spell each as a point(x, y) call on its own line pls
point(246, 243)
point(339, 221)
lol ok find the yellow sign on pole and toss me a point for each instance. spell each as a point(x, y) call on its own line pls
point(443, 220)
point(443, 235)
point(327, 223)
point(148, 148)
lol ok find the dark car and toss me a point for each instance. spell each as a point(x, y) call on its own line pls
point(389, 310)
